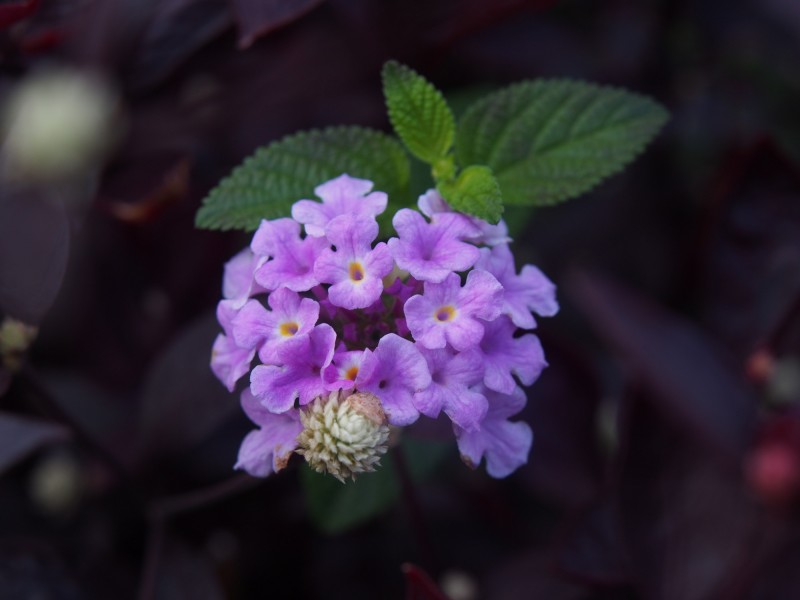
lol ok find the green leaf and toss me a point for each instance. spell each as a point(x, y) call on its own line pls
point(548, 141)
point(267, 183)
point(475, 192)
point(418, 112)
point(335, 507)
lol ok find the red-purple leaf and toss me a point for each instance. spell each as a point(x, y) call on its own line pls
point(259, 17)
point(419, 585)
point(20, 436)
point(681, 366)
point(11, 12)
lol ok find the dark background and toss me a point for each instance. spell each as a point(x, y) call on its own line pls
point(666, 456)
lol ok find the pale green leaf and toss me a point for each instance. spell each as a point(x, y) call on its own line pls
point(418, 112)
point(474, 192)
point(267, 183)
point(550, 140)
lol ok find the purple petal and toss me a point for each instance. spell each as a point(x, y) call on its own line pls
point(229, 362)
point(394, 372)
point(446, 312)
point(238, 283)
point(452, 374)
point(504, 444)
point(292, 265)
point(355, 270)
point(342, 372)
point(482, 295)
point(431, 204)
point(267, 449)
point(352, 235)
point(431, 251)
point(299, 378)
point(270, 235)
point(464, 333)
point(504, 355)
point(529, 291)
point(251, 325)
point(343, 195)
point(419, 313)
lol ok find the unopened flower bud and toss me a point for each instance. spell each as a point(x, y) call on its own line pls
point(343, 434)
point(15, 338)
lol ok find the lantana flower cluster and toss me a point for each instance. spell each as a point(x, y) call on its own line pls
point(351, 336)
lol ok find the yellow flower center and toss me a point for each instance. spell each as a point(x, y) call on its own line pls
point(351, 373)
point(356, 271)
point(289, 328)
point(445, 313)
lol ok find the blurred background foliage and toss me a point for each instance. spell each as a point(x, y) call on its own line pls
point(666, 458)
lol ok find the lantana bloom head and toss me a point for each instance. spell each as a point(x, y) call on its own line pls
point(351, 336)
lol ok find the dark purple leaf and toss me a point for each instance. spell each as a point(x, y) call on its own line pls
point(685, 371)
point(104, 417)
point(688, 524)
point(259, 17)
point(779, 578)
point(5, 380)
point(593, 550)
point(28, 570)
point(146, 41)
point(34, 245)
point(751, 278)
point(184, 573)
point(530, 575)
point(20, 436)
point(177, 29)
point(182, 401)
point(565, 463)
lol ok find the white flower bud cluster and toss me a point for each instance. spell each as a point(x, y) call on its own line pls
point(343, 434)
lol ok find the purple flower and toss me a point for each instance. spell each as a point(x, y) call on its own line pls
point(503, 355)
point(432, 205)
point(299, 378)
point(453, 376)
point(293, 257)
point(355, 269)
point(228, 361)
point(394, 372)
point(267, 449)
point(290, 316)
point(238, 284)
point(344, 195)
point(529, 291)
point(342, 372)
point(447, 313)
point(504, 444)
point(431, 251)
